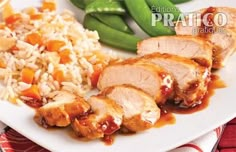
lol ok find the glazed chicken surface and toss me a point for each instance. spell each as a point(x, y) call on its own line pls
point(223, 39)
point(191, 79)
point(140, 109)
point(105, 119)
point(61, 113)
point(148, 77)
point(194, 48)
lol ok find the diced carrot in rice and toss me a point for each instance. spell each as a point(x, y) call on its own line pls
point(13, 18)
point(2, 64)
point(58, 75)
point(32, 92)
point(34, 38)
point(2, 26)
point(65, 56)
point(49, 5)
point(95, 76)
point(14, 48)
point(27, 75)
point(100, 57)
point(36, 16)
point(55, 45)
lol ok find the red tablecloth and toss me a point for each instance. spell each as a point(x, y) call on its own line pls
point(228, 140)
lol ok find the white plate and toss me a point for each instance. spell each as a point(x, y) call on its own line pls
point(222, 108)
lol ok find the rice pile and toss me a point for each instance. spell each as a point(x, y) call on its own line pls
point(61, 55)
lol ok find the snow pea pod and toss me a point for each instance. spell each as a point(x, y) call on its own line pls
point(142, 14)
point(86, 2)
point(81, 3)
point(105, 6)
point(111, 36)
point(163, 7)
point(179, 1)
point(114, 21)
point(78, 3)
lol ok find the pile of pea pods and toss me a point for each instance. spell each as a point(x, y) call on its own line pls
point(107, 18)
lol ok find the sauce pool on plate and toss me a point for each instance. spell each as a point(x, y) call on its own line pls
point(215, 83)
point(167, 117)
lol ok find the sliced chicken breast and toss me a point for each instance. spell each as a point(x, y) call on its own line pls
point(225, 46)
point(191, 78)
point(231, 16)
point(194, 48)
point(228, 11)
point(224, 38)
point(140, 109)
point(184, 28)
point(61, 113)
point(148, 77)
point(105, 119)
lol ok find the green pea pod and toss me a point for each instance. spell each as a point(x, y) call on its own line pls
point(81, 3)
point(78, 3)
point(179, 1)
point(142, 14)
point(86, 2)
point(105, 6)
point(164, 7)
point(114, 21)
point(111, 36)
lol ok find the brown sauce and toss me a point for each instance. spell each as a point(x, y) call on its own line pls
point(34, 103)
point(215, 83)
point(167, 118)
point(75, 136)
point(208, 29)
point(108, 139)
point(109, 126)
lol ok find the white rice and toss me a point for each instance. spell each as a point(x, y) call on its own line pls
point(83, 45)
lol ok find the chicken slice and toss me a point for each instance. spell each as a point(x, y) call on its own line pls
point(194, 28)
point(140, 110)
point(225, 46)
point(105, 119)
point(191, 78)
point(150, 78)
point(224, 38)
point(228, 11)
point(61, 113)
point(231, 16)
point(194, 48)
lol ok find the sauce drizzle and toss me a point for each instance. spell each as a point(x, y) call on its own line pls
point(207, 25)
point(108, 139)
point(166, 118)
point(215, 83)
